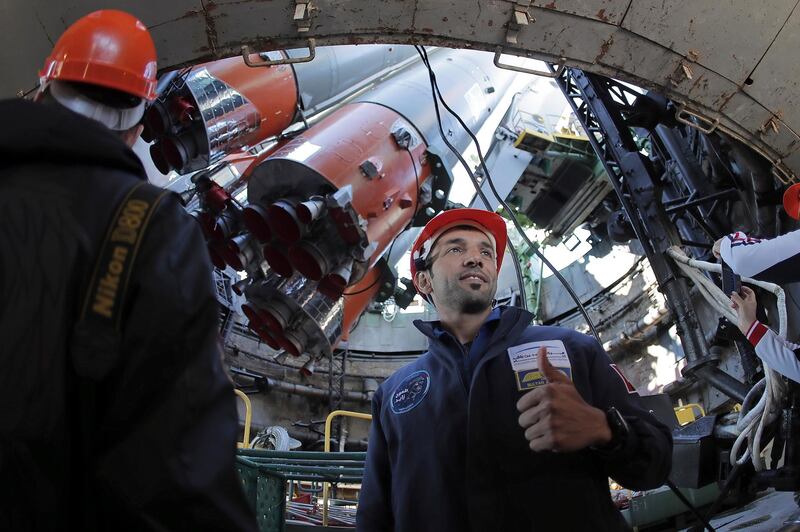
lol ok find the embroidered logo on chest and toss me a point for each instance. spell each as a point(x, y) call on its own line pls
point(409, 393)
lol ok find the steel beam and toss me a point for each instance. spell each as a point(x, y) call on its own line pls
point(600, 104)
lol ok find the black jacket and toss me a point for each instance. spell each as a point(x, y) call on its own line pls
point(446, 452)
point(162, 456)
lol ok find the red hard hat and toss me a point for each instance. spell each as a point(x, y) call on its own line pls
point(492, 224)
point(108, 48)
point(791, 201)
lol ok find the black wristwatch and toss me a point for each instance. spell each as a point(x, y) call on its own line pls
point(619, 431)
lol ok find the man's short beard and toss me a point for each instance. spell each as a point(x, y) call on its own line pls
point(467, 303)
point(474, 306)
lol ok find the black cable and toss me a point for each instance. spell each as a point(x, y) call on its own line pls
point(416, 196)
point(29, 91)
point(518, 270)
point(688, 504)
point(373, 283)
point(733, 476)
point(508, 209)
point(435, 89)
point(389, 253)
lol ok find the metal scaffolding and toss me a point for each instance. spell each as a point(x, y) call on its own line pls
point(608, 111)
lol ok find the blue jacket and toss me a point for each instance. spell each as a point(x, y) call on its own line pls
point(446, 451)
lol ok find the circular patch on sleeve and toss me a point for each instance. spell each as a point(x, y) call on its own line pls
point(409, 393)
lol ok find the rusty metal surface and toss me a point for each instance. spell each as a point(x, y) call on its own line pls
point(653, 43)
point(776, 81)
point(725, 36)
point(608, 11)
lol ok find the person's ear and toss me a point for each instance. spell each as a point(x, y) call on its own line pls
point(423, 282)
point(129, 136)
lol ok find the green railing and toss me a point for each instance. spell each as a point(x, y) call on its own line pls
point(265, 475)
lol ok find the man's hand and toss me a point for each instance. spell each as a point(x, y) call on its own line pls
point(556, 418)
point(716, 249)
point(745, 306)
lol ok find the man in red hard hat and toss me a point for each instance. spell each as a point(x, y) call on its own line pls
point(500, 425)
point(117, 414)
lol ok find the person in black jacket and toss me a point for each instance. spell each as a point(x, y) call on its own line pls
point(500, 425)
point(128, 428)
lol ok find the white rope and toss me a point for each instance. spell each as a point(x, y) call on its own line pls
point(677, 253)
point(750, 423)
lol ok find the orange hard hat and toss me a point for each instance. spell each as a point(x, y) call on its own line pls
point(108, 48)
point(492, 224)
point(791, 201)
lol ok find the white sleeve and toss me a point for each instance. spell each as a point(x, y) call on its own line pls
point(750, 256)
point(779, 354)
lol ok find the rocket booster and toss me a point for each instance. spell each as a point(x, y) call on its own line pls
point(223, 107)
point(332, 199)
point(325, 206)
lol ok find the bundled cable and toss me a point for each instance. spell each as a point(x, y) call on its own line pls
point(752, 421)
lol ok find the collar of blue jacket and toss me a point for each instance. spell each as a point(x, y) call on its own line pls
point(438, 330)
point(467, 356)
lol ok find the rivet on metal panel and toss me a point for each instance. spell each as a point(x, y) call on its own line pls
point(312, 52)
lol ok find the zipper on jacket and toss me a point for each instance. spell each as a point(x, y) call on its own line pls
point(461, 372)
point(458, 366)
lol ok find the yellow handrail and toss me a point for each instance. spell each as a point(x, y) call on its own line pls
point(248, 417)
point(345, 413)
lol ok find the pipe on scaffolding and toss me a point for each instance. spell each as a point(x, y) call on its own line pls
point(308, 391)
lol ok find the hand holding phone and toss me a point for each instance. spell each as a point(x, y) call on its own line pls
point(731, 281)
